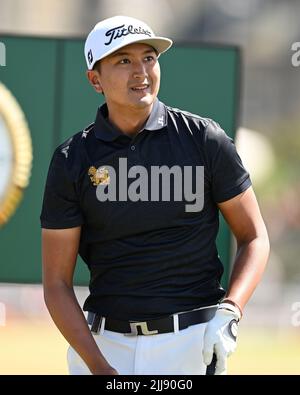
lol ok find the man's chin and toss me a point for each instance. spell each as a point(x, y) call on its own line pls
point(144, 102)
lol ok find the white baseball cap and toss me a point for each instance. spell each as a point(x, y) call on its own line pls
point(114, 33)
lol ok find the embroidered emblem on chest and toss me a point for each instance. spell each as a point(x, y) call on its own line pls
point(99, 176)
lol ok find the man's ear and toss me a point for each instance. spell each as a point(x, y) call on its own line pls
point(94, 79)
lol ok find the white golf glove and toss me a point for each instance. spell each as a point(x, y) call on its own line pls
point(220, 336)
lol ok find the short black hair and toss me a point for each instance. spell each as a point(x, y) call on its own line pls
point(97, 66)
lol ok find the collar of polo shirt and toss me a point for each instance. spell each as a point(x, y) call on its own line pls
point(105, 131)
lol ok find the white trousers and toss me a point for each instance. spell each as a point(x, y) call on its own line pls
point(174, 353)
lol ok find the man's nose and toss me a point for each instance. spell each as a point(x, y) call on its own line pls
point(139, 70)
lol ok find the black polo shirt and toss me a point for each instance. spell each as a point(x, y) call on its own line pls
point(146, 258)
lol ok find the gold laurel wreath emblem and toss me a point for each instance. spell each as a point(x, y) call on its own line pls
point(99, 176)
point(20, 140)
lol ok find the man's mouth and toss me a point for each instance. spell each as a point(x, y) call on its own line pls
point(140, 88)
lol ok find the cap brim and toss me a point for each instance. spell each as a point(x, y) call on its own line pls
point(161, 44)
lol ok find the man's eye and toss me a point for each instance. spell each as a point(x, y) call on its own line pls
point(124, 61)
point(149, 58)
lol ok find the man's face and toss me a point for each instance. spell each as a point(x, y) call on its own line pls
point(130, 77)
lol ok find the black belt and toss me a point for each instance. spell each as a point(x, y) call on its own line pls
point(152, 327)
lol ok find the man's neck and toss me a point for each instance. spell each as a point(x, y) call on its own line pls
point(131, 121)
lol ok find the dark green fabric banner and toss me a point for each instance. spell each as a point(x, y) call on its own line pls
point(47, 78)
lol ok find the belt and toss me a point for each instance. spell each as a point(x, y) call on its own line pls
point(170, 323)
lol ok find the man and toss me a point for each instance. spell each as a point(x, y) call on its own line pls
point(121, 194)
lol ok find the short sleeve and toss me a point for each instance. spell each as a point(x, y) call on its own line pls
point(61, 208)
point(228, 175)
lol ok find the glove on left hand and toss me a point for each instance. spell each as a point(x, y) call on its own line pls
point(220, 336)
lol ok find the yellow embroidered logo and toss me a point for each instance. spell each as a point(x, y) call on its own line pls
point(99, 176)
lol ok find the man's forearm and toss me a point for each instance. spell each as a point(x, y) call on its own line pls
point(249, 265)
point(68, 317)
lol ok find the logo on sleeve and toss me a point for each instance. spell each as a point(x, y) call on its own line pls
point(66, 147)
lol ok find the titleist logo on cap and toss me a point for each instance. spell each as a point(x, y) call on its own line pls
point(120, 31)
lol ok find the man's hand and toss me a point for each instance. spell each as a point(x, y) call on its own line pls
point(107, 371)
point(220, 336)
